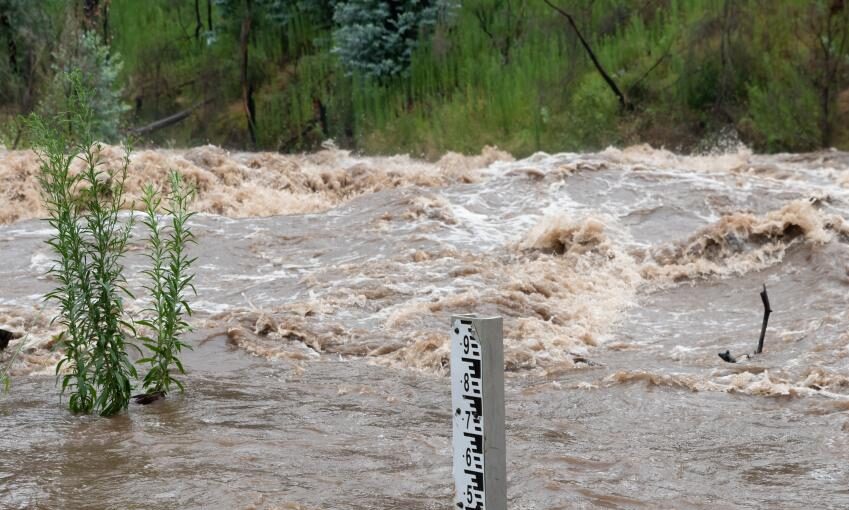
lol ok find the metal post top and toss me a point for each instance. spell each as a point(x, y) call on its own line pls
point(475, 316)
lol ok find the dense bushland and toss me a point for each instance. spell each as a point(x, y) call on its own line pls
point(434, 75)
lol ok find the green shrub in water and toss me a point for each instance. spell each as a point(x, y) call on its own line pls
point(170, 279)
point(89, 241)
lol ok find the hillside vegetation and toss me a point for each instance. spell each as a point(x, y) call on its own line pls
point(428, 76)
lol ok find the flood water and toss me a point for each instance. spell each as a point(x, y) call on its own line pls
point(326, 281)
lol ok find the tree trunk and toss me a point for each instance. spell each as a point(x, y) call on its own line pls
point(826, 111)
point(198, 22)
point(247, 88)
point(29, 95)
point(105, 15)
point(91, 14)
point(767, 311)
point(724, 60)
point(10, 42)
point(825, 92)
point(169, 120)
point(321, 114)
point(623, 101)
point(209, 15)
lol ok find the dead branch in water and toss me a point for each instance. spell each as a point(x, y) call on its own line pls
point(726, 356)
point(767, 311)
point(148, 398)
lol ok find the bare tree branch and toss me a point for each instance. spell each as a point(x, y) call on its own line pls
point(767, 311)
point(247, 87)
point(169, 120)
point(198, 22)
point(623, 101)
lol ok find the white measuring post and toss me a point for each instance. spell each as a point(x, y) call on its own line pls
point(477, 400)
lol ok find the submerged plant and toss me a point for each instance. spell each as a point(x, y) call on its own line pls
point(89, 241)
point(5, 381)
point(106, 244)
point(170, 279)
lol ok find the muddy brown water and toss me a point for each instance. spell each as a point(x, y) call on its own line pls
point(318, 377)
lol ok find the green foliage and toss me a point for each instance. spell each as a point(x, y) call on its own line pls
point(26, 30)
point(89, 242)
point(170, 278)
point(27, 33)
point(594, 112)
point(5, 380)
point(377, 38)
point(386, 76)
point(782, 123)
point(99, 71)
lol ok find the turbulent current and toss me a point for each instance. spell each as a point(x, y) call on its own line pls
point(319, 375)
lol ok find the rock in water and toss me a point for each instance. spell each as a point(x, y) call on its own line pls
point(148, 398)
point(5, 336)
point(726, 356)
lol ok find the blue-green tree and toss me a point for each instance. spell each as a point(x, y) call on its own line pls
point(377, 38)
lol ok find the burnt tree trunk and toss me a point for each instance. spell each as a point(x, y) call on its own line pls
point(91, 14)
point(488, 19)
point(825, 101)
point(767, 311)
point(209, 15)
point(198, 22)
point(321, 114)
point(825, 87)
point(23, 63)
point(104, 14)
point(725, 69)
point(11, 45)
point(247, 88)
point(27, 100)
point(832, 39)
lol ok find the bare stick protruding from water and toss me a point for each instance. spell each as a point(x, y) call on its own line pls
point(767, 311)
point(726, 356)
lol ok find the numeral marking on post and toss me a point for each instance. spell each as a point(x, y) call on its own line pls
point(467, 401)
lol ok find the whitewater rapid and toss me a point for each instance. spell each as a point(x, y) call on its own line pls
point(620, 276)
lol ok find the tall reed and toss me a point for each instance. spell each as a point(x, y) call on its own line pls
point(170, 279)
